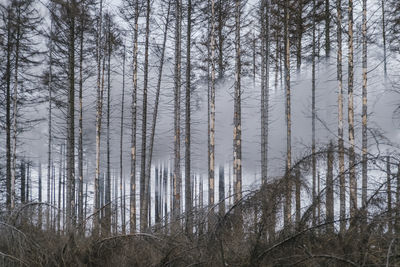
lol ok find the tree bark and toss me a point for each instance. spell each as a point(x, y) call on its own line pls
point(221, 188)
point(327, 29)
point(237, 118)
point(287, 208)
point(329, 190)
point(364, 107)
point(389, 195)
point(99, 114)
point(177, 93)
point(122, 194)
point(132, 214)
point(352, 171)
point(313, 115)
point(342, 181)
point(188, 191)
point(144, 183)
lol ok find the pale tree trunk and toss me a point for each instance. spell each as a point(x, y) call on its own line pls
point(59, 192)
point(329, 190)
point(122, 193)
point(165, 186)
point(99, 114)
point(352, 171)
point(211, 168)
point(397, 221)
point(156, 193)
point(157, 98)
point(265, 13)
point(80, 138)
point(132, 212)
point(288, 196)
point(364, 107)
point(15, 113)
point(177, 94)
point(237, 118)
point(342, 182)
point(144, 183)
point(49, 142)
point(188, 191)
point(313, 115)
point(23, 180)
point(107, 192)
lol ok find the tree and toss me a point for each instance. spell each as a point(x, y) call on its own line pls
point(144, 183)
point(287, 208)
point(237, 117)
point(177, 95)
point(352, 172)
point(342, 188)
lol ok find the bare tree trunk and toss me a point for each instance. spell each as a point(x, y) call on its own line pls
point(397, 221)
point(352, 171)
point(144, 183)
point(165, 185)
point(300, 30)
point(80, 138)
point(329, 190)
point(211, 168)
point(40, 195)
point(177, 91)
point(237, 118)
point(132, 214)
point(384, 38)
point(23, 180)
point(342, 181)
point(327, 29)
point(156, 193)
point(15, 112)
point(265, 13)
point(389, 195)
point(188, 191)
point(313, 115)
point(99, 114)
point(364, 107)
point(59, 192)
point(288, 205)
point(221, 188)
point(107, 222)
point(121, 143)
point(8, 111)
point(298, 196)
point(221, 39)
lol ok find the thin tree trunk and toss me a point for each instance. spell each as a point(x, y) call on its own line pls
point(108, 175)
point(144, 183)
point(99, 114)
point(59, 192)
point(313, 115)
point(237, 119)
point(80, 138)
point(364, 107)
point(132, 215)
point(329, 190)
point(188, 191)
point(122, 195)
point(8, 111)
point(298, 196)
point(389, 195)
point(327, 29)
point(211, 168)
point(352, 171)
point(384, 38)
point(15, 113)
point(221, 188)
point(177, 91)
point(287, 210)
point(23, 181)
point(40, 195)
point(342, 181)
